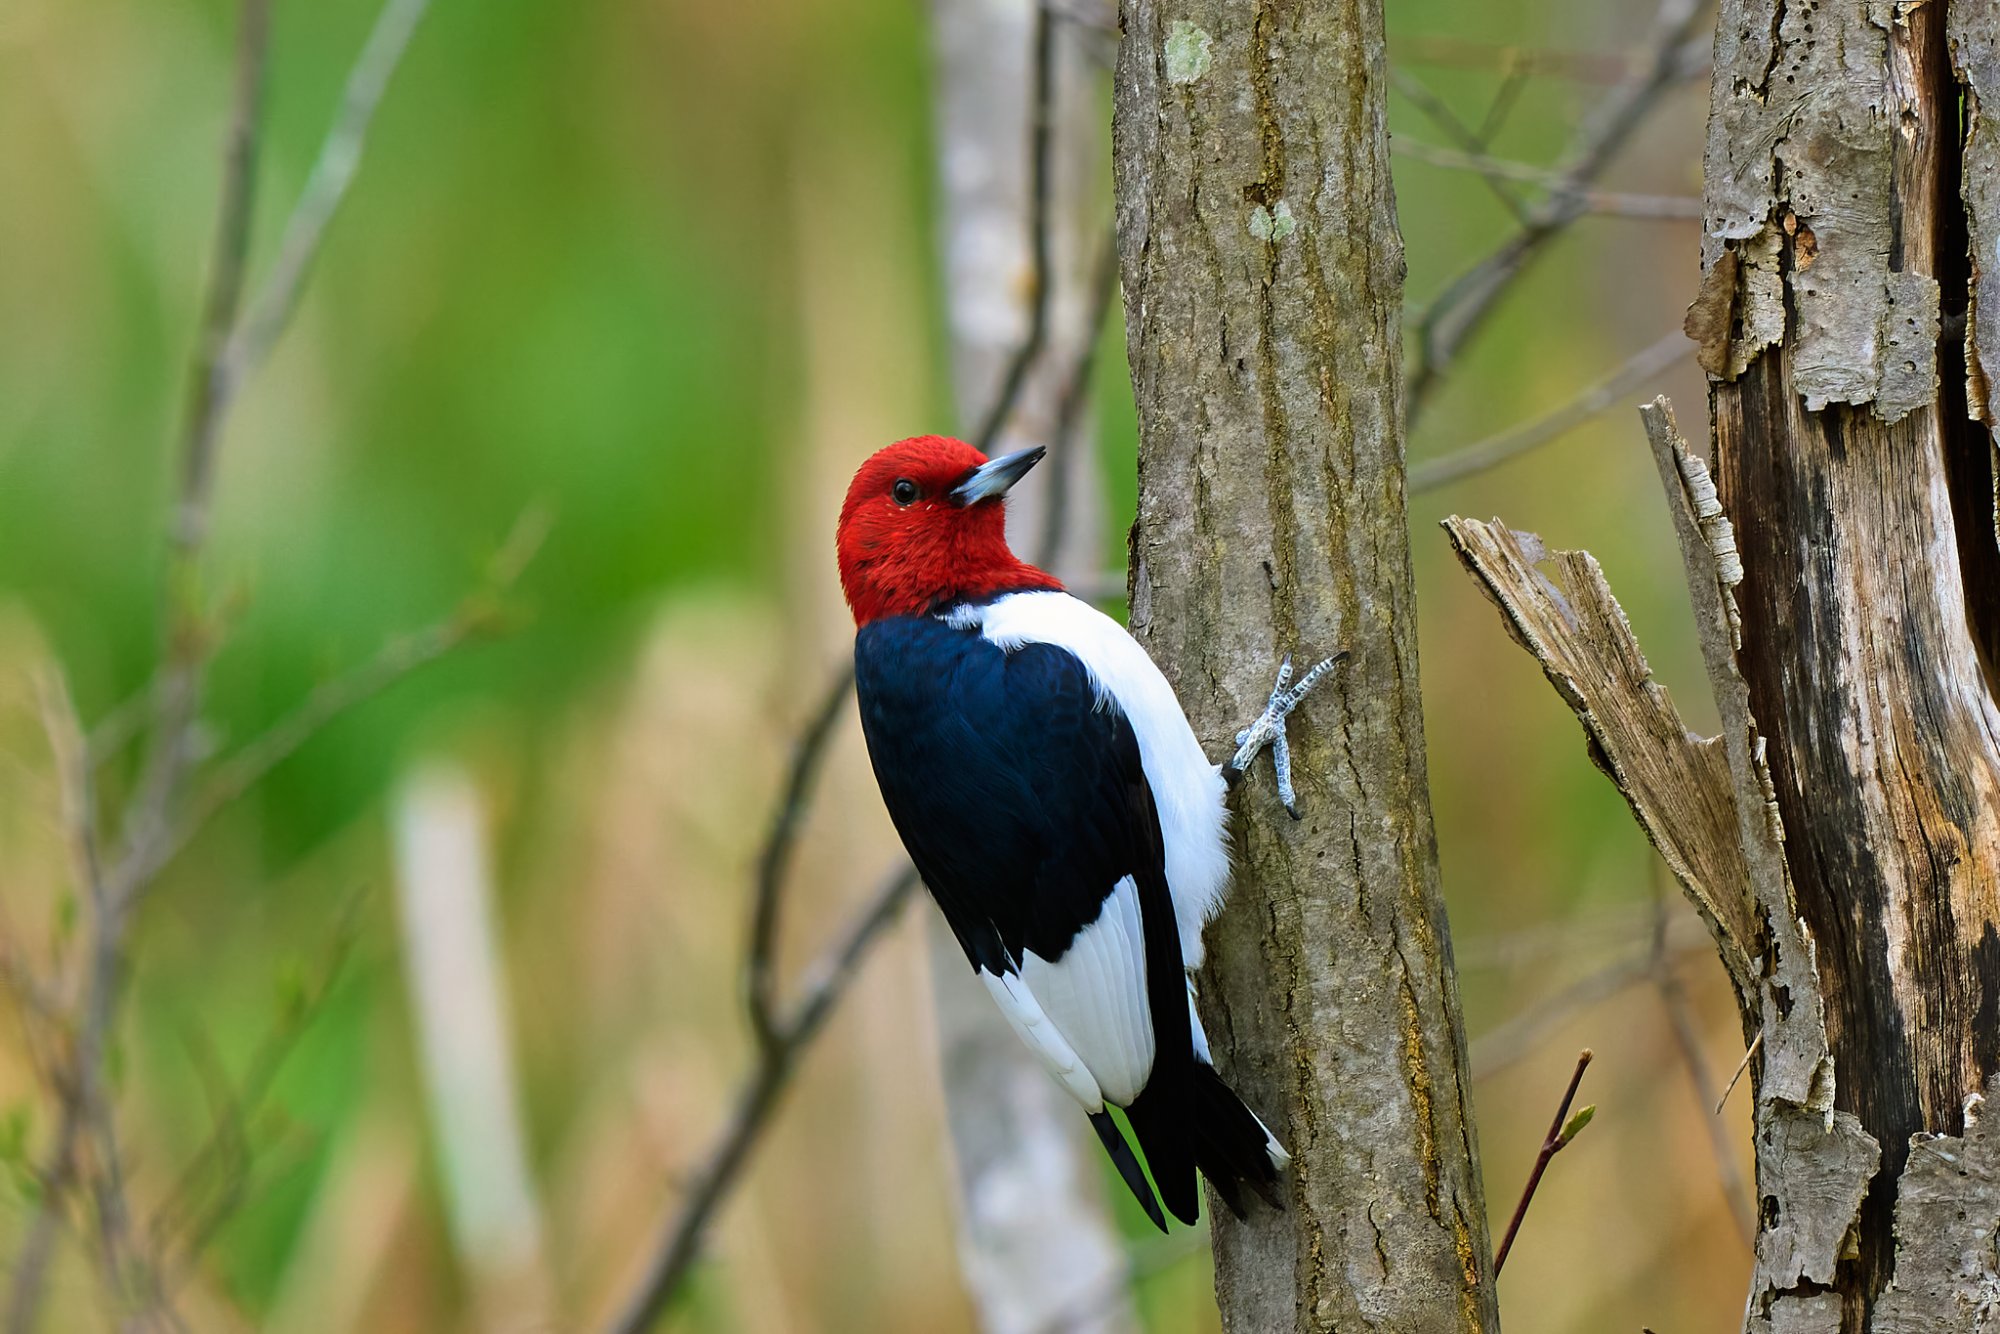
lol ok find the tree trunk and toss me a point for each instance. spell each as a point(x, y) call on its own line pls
point(1861, 492)
point(1842, 836)
point(1263, 277)
point(1036, 1241)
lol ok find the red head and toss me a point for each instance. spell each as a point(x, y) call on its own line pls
point(924, 525)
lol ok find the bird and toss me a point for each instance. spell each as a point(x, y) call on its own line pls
point(1061, 811)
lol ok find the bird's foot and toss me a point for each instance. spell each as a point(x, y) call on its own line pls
point(1269, 729)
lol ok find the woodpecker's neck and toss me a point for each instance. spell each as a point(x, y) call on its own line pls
point(919, 577)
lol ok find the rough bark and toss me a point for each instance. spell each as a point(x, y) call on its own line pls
point(1845, 570)
point(1844, 563)
point(1036, 1242)
point(1263, 277)
point(1860, 489)
point(1721, 835)
point(1821, 1172)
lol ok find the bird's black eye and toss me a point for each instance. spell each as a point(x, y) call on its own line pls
point(905, 491)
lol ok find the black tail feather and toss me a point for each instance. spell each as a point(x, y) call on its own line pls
point(1159, 1118)
point(1128, 1166)
point(1230, 1143)
point(1190, 1119)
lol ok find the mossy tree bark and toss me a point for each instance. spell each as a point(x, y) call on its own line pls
point(1263, 279)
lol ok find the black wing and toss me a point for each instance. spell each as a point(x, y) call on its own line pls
point(1023, 802)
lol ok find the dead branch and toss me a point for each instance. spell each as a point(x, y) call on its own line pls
point(1707, 804)
point(1676, 784)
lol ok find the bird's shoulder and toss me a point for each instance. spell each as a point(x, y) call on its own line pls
point(956, 651)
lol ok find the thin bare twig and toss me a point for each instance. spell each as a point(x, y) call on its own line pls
point(214, 1181)
point(149, 832)
point(79, 1088)
point(1463, 306)
point(1558, 1138)
point(1470, 143)
point(1749, 1055)
point(76, 1097)
point(1607, 393)
point(1069, 410)
point(775, 858)
point(781, 1041)
point(1586, 936)
point(333, 173)
point(1687, 1039)
point(71, 755)
point(1514, 78)
point(1508, 1043)
point(395, 660)
point(209, 399)
point(1603, 203)
point(678, 1245)
point(1042, 111)
point(1590, 67)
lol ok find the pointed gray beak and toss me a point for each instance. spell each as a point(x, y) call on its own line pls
point(993, 477)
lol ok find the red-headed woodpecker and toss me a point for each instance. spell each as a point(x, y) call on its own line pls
point(1054, 798)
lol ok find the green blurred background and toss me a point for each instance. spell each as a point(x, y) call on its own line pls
point(664, 272)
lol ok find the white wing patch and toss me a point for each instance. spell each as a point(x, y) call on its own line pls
point(1187, 789)
point(1031, 1024)
point(1095, 995)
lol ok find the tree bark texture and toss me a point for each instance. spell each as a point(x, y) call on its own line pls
point(1036, 1241)
point(1850, 459)
point(1844, 562)
point(1263, 280)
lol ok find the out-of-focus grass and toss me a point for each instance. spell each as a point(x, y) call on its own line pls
point(665, 269)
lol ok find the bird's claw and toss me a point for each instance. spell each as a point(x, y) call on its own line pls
point(1269, 729)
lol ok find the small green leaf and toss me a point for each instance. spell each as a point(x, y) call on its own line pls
point(1575, 1125)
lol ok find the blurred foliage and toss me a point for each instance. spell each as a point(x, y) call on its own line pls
point(576, 272)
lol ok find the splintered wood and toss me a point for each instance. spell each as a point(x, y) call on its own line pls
point(1709, 805)
point(1677, 783)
